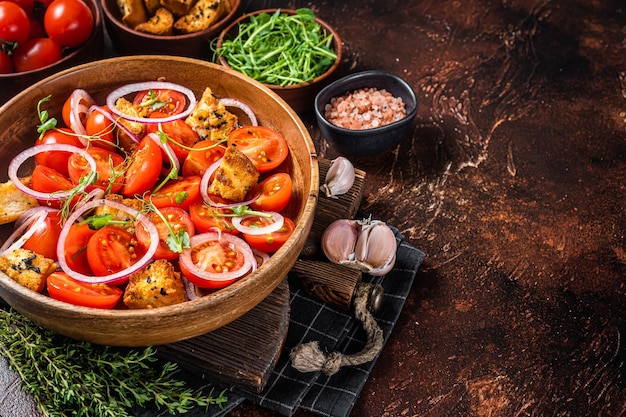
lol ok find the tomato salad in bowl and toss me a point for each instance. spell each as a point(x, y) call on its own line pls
point(151, 184)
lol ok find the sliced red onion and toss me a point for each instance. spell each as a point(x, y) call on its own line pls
point(115, 120)
point(232, 240)
point(260, 256)
point(93, 279)
point(22, 157)
point(190, 289)
point(25, 217)
point(277, 222)
point(80, 103)
point(233, 102)
point(151, 85)
point(18, 237)
point(167, 149)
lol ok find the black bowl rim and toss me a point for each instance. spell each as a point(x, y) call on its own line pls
point(337, 89)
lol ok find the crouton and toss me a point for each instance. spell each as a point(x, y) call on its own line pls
point(138, 129)
point(13, 202)
point(210, 119)
point(235, 176)
point(133, 12)
point(178, 7)
point(156, 285)
point(162, 23)
point(203, 14)
point(27, 268)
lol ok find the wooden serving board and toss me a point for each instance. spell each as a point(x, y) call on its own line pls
point(244, 352)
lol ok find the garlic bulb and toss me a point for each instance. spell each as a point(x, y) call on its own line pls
point(367, 245)
point(339, 178)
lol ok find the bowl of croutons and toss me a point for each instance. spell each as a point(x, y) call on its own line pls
point(153, 205)
point(167, 27)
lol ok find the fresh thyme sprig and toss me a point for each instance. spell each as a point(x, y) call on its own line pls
point(71, 378)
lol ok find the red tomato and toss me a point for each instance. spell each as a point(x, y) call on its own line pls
point(274, 193)
point(112, 249)
point(6, 63)
point(36, 53)
point(178, 131)
point(67, 109)
point(109, 169)
point(75, 248)
point(68, 23)
point(208, 219)
point(64, 288)
point(48, 180)
point(178, 220)
point(14, 23)
point(269, 242)
point(144, 169)
point(265, 147)
point(180, 192)
point(44, 240)
point(167, 102)
point(26, 5)
point(202, 156)
point(36, 28)
point(57, 160)
point(100, 127)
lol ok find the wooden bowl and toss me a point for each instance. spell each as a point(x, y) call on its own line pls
point(301, 96)
point(11, 84)
point(127, 41)
point(18, 119)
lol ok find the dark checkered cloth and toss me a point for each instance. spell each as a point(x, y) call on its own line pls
point(311, 320)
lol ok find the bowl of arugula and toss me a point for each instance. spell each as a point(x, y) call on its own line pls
point(291, 51)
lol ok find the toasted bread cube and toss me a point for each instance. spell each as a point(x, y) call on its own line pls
point(27, 268)
point(210, 119)
point(178, 7)
point(202, 15)
point(133, 12)
point(156, 285)
point(235, 176)
point(14, 202)
point(162, 23)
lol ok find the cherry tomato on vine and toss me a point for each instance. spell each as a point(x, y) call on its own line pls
point(36, 53)
point(14, 24)
point(62, 287)
point(68, 23)
point(144, 169)
point(57, 160)
point(166, 101)
point(202, 155)
point(178, 220)
point(44, 240)
point(112, 249)
point(274, 193)
point(269, 242)
point(179, 192)
point(108, 166)
point(265, 147)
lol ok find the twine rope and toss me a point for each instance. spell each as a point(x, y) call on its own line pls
point(308, 357)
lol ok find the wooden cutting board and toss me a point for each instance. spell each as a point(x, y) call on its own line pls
point(233, 353)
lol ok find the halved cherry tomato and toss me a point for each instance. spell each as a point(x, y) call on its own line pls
point(64, 288)
point(207, 219)
point(274, 193)
point(265, 147)
point(166, 101)
point(269, 242)
point(202, 156)
point(178, 131)
point(179, 192)
point(178, 220)
point(75, 248)
point(108, 167)
point(57, 160)
point(144, 169)
point(112, 249)
point(48, 180)
point(44, 240)
point(101, 127)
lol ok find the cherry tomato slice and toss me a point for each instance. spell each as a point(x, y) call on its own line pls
point(202, 156)
point(178, 220)
point(64, 288)
point(265, 147)
point(269, 242)
point(180, 192)
point(144, 169)
point(274, 193)
point(100, 128)
point(44, 240)
point(57, 160)
point(208, 219)
point(165, 101)
point(181, 134)
point(112, 249)
point(75, 248)
point(108, 166)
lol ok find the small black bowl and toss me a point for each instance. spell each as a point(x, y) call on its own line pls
point(366, 142)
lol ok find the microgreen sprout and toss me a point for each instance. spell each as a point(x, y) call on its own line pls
point(152, 101)
point(46, 122)
point(176, 241)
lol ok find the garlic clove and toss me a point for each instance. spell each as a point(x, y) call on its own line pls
point(339, 178)
point(339, 239)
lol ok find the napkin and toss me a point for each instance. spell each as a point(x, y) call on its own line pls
point(288, 389)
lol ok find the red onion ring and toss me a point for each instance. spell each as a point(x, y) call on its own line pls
point(232, 240)
point(17, 239)
point(190, 289)
point(260, 256)
point(93, 279)
point(151, 85)
point(116, 121)
point(278, 219)
point(167, 149)
point(233, 102)
point(80, 102)
point(24, 217)
point(17, 162)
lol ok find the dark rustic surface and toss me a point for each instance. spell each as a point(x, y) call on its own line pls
point(513, 183)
